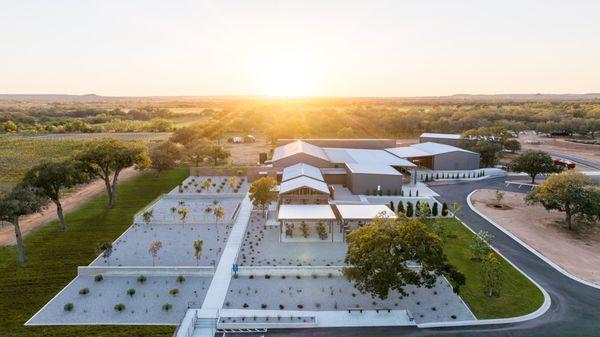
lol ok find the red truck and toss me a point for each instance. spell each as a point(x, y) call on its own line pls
point(564, 164)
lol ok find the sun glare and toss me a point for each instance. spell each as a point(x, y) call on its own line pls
point(287, 76)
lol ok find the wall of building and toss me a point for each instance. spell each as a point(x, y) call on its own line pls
point(375, 144)
point(457, 160)
point(335, 179)
point(367, 183)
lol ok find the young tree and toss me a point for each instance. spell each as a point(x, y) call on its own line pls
point(155, 246)
point(492, 274)
point(183, 213)
point(217, 153)
point(480, 245)
point(51, 178)
point(499, 197)
point(379, 251)
point(107, 157)
point(533, 163)
point(219, 213)
point(198, 250)
point(434, 209)
point(570, 192)
point(106, 250)
point(262, 192)
point(22, 200)
point(164, 156)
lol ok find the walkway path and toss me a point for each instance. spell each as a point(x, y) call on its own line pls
point(215, 297)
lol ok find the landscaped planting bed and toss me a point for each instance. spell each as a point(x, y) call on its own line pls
point(168, 210)
point(317, 293)
point(198, 185)
point(261, 247)
point(132, 248)
point(124, 299)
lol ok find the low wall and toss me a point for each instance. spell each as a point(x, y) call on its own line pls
point(147, 271)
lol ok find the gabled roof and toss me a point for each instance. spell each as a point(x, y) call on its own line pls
point(364, 211)
point(437, 148)
point(296, 183)
point(441, 135)
point(372, 169)
point(300, 170)
point(363, 156)
point(407, 152)
point(298, 147)
point(308, 212)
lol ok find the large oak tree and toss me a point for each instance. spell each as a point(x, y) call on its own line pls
point(107, 157)
point(262, 192)
point(52, 178)
point(570, 192)
point(533, 163)
point(22, 200)
point(380, 252)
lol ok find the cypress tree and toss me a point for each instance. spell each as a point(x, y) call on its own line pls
point(400, 207)
point(434, 209)
point(409, 209)
point(444, 209)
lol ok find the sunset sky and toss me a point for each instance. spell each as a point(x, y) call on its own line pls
point(314, 48)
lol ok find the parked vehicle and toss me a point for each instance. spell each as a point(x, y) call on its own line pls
point(249, 139)
point(564, 164)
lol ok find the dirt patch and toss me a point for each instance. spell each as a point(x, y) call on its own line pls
point(588, 152)
point(502, 207)
point(70, 202)
point(576, 252)
point(247, 153)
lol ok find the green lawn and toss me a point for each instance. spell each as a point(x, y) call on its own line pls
point(53, 257)
point(518, 295)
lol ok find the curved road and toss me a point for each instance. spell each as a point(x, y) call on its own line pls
point(575, 308)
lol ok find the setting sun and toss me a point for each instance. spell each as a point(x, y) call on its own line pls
point(289, 76)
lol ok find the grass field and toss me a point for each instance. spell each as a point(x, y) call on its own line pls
point(518, 295)
point(53, 257)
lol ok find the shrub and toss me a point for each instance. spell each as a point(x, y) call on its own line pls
point(267, 276)
point(131, 292)
point(167, 307)
point(174, 292)
point(227, 304)
point(98, 278)
point(180, 279)
point(409, 209)
point(300, 306)
point(281, 307)
point(263, 306)
point(245, 305)
point(119, 307)
point(142, 279)
point(251, 277)
point(84, 291)
point(453, 316)
point(69, 307)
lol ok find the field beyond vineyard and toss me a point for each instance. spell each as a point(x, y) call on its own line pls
point(20, 153)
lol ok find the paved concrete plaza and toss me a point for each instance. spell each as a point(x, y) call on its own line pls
point(261, 247)
point(144, 307)
point(131, 249)
point(337, 293)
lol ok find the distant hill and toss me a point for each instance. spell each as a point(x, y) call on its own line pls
point(458, 98)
